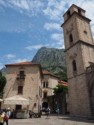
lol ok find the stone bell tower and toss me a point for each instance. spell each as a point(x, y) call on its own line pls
point(79, 51)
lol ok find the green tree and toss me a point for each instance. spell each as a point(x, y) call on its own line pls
point(62, 76)
point(60, 88)
point(2, 83)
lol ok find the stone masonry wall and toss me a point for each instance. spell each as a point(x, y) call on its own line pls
point(30, 85)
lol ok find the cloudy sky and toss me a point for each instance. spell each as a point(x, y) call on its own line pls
point(27, 25)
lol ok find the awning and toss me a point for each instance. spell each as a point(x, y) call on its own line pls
point(1, 100)
point(17, 99)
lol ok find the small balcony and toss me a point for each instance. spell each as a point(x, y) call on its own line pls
point(20, 76)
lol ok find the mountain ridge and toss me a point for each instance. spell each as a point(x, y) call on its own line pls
point(53, 60)
point(49, 55)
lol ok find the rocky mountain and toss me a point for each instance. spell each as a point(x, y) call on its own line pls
point(52, 60)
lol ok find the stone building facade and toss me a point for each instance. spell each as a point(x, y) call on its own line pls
point(24, 79)
point(27, 80)
point(49, 82)
point(79, 51)
point(59, 100)
point(90, 80)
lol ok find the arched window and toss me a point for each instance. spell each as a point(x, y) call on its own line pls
point(68, 13)
point(71, 39)
point(74, 65)
point(79, 11)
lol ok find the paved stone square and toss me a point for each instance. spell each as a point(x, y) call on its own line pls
point(53, 120)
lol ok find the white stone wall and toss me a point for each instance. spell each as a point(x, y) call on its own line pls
point(52, 82)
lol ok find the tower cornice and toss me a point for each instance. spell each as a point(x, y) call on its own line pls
point(82, 42)
point(73, 5)
point(77, 14)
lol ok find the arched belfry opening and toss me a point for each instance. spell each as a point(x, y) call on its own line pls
point(71, 39)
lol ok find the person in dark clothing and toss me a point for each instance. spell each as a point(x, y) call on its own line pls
point(58, 111)
point(7, 116)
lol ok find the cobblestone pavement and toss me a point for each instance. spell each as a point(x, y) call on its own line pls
point(53, 120)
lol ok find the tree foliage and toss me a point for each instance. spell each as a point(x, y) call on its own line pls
point(60, 88)
point(2, 83)
point(62, 76)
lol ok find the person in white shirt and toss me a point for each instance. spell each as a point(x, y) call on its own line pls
point(48, 112)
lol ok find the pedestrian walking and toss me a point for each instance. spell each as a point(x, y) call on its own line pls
point(8, 112)
point(57, 111)
point(48, 112)
point(6, 118)
point(2, 118)
point(13, 114)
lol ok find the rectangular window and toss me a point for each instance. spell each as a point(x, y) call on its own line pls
point(22, 75)
point(43, 84)
point(21, 72)
point(20, 89)
point(18, 107)
point(46, 84)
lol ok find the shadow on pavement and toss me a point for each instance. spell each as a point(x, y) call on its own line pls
point(87, 120)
